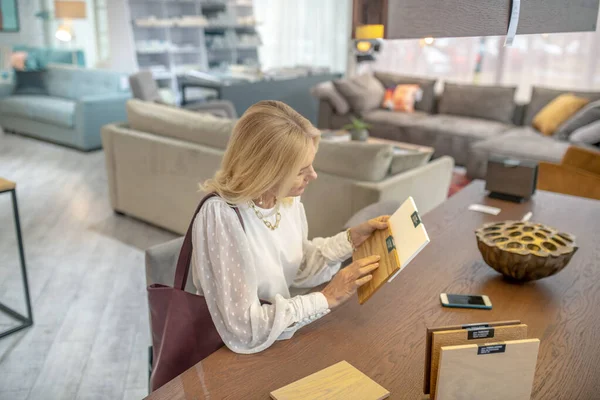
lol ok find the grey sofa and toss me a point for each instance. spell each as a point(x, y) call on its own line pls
point(466, 122)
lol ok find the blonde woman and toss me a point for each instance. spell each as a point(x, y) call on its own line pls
point(265, 169)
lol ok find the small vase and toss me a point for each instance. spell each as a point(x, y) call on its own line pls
point(360, 135)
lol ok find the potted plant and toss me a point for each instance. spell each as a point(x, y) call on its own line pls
point(358, 129)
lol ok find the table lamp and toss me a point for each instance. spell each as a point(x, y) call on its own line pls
point(68, 10)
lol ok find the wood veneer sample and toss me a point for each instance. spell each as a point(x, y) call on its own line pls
point(340, 381)
point(397, 245)
point(389, 263)
point(461, 337)
point(495, 371)
point(429, 335)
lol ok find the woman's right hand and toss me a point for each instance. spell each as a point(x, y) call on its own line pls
point(346, 281)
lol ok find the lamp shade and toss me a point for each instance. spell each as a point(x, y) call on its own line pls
point(69, 10)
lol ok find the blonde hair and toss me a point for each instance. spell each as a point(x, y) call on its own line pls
point(268, 147)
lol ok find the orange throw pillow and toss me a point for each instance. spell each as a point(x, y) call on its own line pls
point(402, 98)
point(557, 112)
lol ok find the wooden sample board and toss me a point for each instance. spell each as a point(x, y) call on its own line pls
point(495, 371)
point(397, 245)
point(461, 337)
point(340, 381)
point(429, 337)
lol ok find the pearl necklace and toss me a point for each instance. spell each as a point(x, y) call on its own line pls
point(262, 217)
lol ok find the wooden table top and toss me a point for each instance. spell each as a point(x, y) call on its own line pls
point(385, 337)
point(6, 185)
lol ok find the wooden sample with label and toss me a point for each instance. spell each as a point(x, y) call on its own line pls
point(494, 371)
point(429, 337)
point(469, 336)
point(397, 245)
point(340, 381)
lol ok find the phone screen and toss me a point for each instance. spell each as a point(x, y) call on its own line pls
point(462, 299)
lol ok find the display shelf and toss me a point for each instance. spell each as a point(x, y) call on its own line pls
point(177, 35)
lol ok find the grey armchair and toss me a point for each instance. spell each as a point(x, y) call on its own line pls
point(144, 87)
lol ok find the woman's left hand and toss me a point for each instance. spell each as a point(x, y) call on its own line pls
point(361, 232)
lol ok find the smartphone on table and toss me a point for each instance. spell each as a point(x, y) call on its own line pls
point(465, 301)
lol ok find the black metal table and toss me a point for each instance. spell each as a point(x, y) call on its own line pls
point(24, 321)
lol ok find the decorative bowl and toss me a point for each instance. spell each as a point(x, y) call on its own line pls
point(525, 251)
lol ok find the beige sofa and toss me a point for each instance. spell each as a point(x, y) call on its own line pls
point(157, 158)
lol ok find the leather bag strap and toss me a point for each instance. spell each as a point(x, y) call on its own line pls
point(185, 255)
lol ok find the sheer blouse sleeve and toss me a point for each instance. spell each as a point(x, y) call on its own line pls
point(225, 272)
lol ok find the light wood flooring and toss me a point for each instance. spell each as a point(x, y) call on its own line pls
point(86, 276)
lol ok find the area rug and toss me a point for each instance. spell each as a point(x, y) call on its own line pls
point(459, 181)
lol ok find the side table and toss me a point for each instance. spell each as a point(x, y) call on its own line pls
point(6, 187)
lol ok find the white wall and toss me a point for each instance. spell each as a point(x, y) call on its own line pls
point(31, 28)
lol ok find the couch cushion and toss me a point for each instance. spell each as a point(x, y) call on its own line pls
point(450, 125)
point(73, 82)
point(53, 110)
point(557, 112)
point(394, 118)
point(520, 142)
point(16, 105)
point(427, 103)
point(362, 92)
point(588, 134)
point(541, 96)
point(495, 103)
point(405, 159)
point(178, 123)
point(525, 143)
point(354, 160)
point(327, 91)
point(48, 109)
point(588, 114)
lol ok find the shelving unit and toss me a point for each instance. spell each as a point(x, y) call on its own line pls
point(172, 36)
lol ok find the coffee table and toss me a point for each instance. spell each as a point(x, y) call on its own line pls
point(385, 337)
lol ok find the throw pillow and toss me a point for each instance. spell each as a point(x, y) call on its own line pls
point(589, 134)
point(406, 159)
point(494, 103)
point(355, 160)
point(327, 91)
point(402, 98)
point(557, 112)
point(427, 102)
point(583, 117)
point(30, 82)
point(18, 60)
point(363, 92)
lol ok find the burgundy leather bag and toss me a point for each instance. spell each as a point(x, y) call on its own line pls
point(183, 332)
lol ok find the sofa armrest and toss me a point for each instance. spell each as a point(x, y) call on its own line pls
point(428, 185)
point(6, 89)
point(220, 108)
point(566, 179)
point(92, 112)
point(583, 159)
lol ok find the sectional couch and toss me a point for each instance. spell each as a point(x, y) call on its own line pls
point(156, 159)
point(64, 104)
point(466, 122)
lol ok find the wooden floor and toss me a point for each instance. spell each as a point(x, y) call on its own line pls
point(86, 272)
